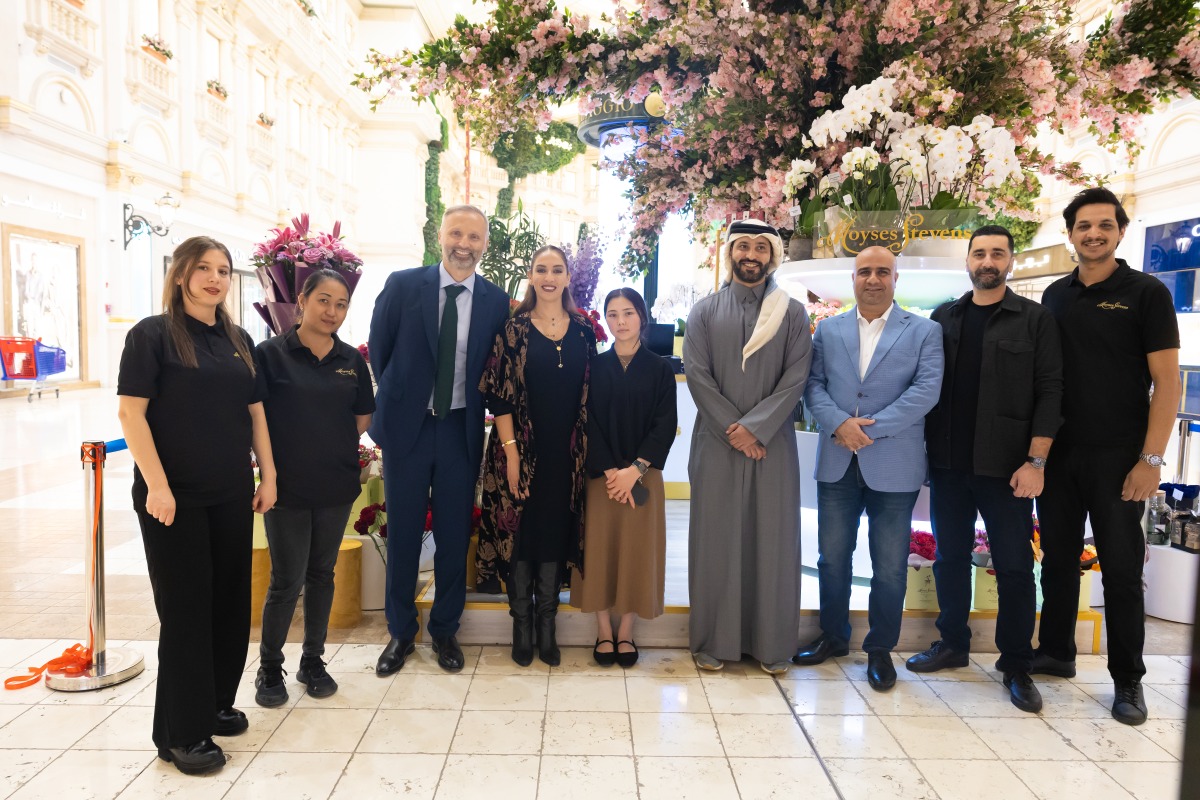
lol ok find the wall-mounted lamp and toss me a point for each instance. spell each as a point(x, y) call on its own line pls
point(136, 224)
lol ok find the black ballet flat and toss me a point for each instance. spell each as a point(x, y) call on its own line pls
point(627, 660)
point(605, 659)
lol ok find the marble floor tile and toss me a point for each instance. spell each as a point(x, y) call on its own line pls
point(505, 777)
point(1146, 781)
point(582, 733)
point(1164, 669)
point(586, 693)
point(497, 660)
point(855, 667)
point(974, 671)
point(907, 698)
point(371, 775)
point(424, 660)
point(973, 780)
point(149, 650)
point(937, 737)
point(1088, 669)
point(682, 778)
point(499, 733)
point(289, 775)
point(17, 767)
point(263, 724)
point(1109, 740)
point(320, 730)
point(52, 727)
point(11, 712)
point(147, 688)
point(356, 658)
point(1159, 705)
point(657, 734)
point(411, 731)
point(355, 690)
point(15, 654)
point(28, 696)
point(127, 728)
point(851, 737)
point(1070, 700)
point(727, 696)
point(579, 661)
point(879, 779)
point(830, 670)
point(977, 699)
point(824, 697)
point(438, 692)
point(95, 774)
point(160, 780)
point(684, 695)
point(781, 779)
point(1175, 692)
point(1166, 733)
point(610, 777)
point(507, 693)
point(246, 691)
point(746, 668)
point(1028, 738)
point(663, 663)
point(1055, 780)
point(762, 736)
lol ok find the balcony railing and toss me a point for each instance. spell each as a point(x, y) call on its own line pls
point(297, 167)
point(213, 117)
point(261, 145)
point(151, 81)
point(66, 32)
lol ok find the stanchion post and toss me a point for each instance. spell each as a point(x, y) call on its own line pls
point(109, 666)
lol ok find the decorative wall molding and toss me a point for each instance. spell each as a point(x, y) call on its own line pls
point(61, 30)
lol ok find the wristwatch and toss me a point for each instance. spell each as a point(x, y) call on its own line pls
point(1037, 461)
point(1153, 459)
point(641, 468)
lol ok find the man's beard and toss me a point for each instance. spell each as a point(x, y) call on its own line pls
point(987, 279)
point(738, 270)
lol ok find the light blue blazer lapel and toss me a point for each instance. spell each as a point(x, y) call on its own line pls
point(849, 331)
point(429, 307)
point(896, 325)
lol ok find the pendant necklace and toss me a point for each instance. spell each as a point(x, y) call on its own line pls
point(626, 360)
point(558, 347)
point(552, 324)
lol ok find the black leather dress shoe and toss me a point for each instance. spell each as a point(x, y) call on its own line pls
point(393, 656)
point(1129, 705)
point(450, 655)
point(1024, 693)
point(194, 759)
point(881, 673)
point(939, 656)
point(817, 651)
point(230, 722)
point(1048, 665)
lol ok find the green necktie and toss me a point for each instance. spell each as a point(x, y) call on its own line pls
point(443, 387)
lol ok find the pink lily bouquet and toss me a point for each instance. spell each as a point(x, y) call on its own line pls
point(284, 262)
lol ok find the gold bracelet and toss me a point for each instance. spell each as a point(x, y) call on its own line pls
point(510, 441)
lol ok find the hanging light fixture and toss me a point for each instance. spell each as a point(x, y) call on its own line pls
point(136, 224)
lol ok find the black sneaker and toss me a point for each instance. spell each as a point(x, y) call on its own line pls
point(269, 683)
point(939, 656)
point(1130, 704)
point(313, 675)
point(1049, 665)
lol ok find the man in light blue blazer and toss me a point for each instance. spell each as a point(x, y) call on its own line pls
point(876, 373)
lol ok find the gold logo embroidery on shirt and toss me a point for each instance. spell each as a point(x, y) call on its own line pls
point(1115, 306)
point(350, 372)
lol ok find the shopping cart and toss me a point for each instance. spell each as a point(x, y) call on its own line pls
point(25, 359)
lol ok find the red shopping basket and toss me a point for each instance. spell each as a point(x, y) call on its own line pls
point(18, 359)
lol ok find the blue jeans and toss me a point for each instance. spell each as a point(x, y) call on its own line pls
point(304, 546)
point(954, 498)
point(889, 525)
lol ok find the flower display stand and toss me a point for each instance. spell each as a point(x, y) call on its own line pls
point(373, 573)
point(921, 594)
point(347, 585)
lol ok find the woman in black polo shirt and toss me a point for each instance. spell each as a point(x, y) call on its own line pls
point(191, 414)
point(319, 401)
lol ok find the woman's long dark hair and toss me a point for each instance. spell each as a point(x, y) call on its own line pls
point(530, 299)
point(183, 263)
point(639, 305)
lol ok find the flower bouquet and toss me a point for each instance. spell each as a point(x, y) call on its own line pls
point(922, 549)
point(285, 261)
point(217, 89)
point(981, 555)
point(156, 44)
point(369, 460)
point(593, 316)
point(372, 523)
point(921, 593)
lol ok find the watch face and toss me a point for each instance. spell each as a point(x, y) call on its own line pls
point(1154, 461)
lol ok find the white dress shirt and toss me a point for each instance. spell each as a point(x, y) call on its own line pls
point(458, 396)
point(868, 339)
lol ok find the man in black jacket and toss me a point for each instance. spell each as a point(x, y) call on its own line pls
point(988, 439)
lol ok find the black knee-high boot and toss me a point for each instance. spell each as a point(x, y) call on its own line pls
point(547, 607)
point(520, 607)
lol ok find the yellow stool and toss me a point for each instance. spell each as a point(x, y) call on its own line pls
point(260, 571)
point(347, 586)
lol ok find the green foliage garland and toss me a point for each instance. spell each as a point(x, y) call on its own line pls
point(434, 207)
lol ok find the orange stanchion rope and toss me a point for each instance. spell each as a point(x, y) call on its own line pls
point(73, 661)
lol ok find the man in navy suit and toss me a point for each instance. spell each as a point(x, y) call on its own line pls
point(428, 353)
point(876, 373)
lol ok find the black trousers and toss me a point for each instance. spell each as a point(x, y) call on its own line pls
point(1082, 482)
point(200, 573)
point(435, 471)
point(955, 498)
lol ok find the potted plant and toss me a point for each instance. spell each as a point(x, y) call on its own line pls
point(156, 47)
point(217, 89)
point(803, 190)
point(264, 120)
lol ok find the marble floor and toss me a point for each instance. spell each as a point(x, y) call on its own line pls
point(659, 730)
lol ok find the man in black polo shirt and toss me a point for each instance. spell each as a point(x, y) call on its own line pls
point(988, 438)
point(1120, 340)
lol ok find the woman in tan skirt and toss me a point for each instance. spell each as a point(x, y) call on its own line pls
point(631, 426)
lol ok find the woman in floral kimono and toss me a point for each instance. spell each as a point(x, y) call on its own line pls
point(535, 383)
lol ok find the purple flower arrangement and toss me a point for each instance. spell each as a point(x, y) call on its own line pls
point(584, 262)
point(285, 261)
